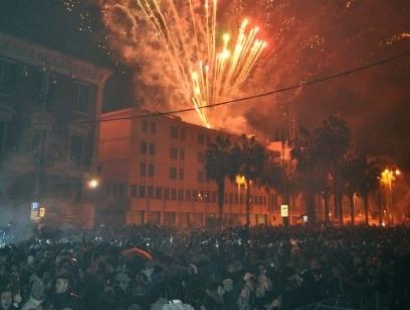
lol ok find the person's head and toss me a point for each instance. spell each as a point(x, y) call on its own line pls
point(6, 299)
point(62, 284)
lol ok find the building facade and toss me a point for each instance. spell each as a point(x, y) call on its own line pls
point(151, 171)
point(49, 102)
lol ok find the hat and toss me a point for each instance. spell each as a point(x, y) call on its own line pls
point(228, 285)
point(247, 276)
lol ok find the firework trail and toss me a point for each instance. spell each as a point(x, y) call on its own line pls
point(209, 66)
point(306, 39)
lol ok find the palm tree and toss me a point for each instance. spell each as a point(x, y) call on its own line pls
point(369, 183)
point(249, 157)
point(318, 153)
point(274, 176)
point(360, 175)
point(218, 166)
point(332, 143)
point(309, 174)
point(351, 170)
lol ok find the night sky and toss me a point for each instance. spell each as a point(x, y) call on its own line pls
point(375, 102)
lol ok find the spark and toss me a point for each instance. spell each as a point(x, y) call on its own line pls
point(208, 66)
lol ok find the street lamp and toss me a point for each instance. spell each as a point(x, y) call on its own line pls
point(387, 178)
point(93, 183)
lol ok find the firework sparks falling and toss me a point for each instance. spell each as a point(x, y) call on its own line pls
point(207, 66)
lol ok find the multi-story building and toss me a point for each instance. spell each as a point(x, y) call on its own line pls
point(49, 102)
point(151, 171)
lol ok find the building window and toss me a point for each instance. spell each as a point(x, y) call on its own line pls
point(166, 193)
point(187, 194)
point(173, 152)
point(144, 125)
point(182, 154)
point(200, 157)
point(81, 97)
point(141, 191)
point(152, 148)
point(201, 138)
point(182, 134)
point(153, 127)
point(173, 194)
point(230, 198)
point(200, 176)
point(76, 149)
point(133, 190)
point(158, 192)
point(173, 173)
point(151, 170)
point(143, 147)
point(180, 194)
point(7, 76)
point(143, 169)
point(150, 191)
point(181, 174)
point(174, 132)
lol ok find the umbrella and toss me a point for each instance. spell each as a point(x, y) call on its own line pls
point(130, 253)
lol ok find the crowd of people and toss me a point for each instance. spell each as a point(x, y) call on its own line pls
point(154, 268)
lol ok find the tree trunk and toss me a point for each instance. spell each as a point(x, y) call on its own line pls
point(248, 203)
point(310, 208)
point(326, 203)
point(351, 203)
point(366, 208)
point(221, 199)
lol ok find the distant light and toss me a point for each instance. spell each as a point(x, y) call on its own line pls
point(93, 183)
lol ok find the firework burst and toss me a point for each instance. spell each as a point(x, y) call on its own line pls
point(209, 65)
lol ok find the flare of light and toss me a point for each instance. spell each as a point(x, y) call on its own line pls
point(208, 67)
